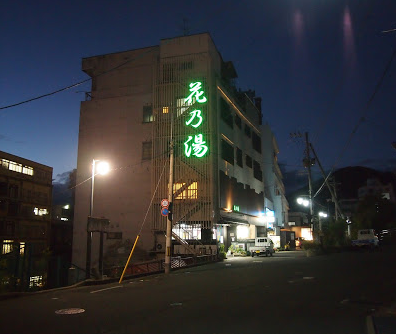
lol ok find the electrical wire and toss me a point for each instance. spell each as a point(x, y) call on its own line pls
point(152, 198)
point(362, 117)
point(206, 19)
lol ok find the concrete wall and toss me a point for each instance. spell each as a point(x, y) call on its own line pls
point(112, 129)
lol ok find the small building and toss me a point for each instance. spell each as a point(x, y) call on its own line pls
point(374, 187)
point(25, 206)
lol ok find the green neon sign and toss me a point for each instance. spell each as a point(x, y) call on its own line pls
point(196, 92)
point(236, 207)
point(195, 145)
point(195, 114)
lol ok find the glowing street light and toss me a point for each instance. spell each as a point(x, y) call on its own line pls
point(303, 201)
point(322, 214)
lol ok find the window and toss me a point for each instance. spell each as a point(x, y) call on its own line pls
point(13, 191)
point(248, 132)
point(3, 205)
point(40, 212)
point(147, 114)
point(16, 167)
point(7, 246)
point(3, 189)
point(12, 208)
point(239, 159)
point(27, 170)
point(257, 173)
point(10, 228)
point(227, 151)
point(238, 121)
point(165, 110)
point(256, 142)
point(249, 161)
point(184, 191)
point(226, 113)
point(182, 106)
point(146, 150)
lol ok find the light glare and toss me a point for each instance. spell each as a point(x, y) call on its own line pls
point(102, 167)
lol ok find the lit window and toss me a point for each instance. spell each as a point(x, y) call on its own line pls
point(165, 110)
point(181, 191)
point(22, 248)
point(27, 170)
point(7, 246)
point(5, 163)
point(14, 166)
point(179, 194)
point(242, 232)
point(36, 281)
point(40, 212)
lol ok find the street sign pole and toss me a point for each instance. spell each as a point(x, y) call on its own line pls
point(168, 243)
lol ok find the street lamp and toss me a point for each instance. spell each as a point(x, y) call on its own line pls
point(303, 201)
point(102, 168)
point(323, 215)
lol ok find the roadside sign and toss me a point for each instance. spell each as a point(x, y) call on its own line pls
point(165, 203)
point(97, 224)
point(164, 211)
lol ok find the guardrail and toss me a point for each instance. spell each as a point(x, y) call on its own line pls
point(157, 266)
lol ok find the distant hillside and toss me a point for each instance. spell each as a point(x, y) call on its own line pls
point(61, 194)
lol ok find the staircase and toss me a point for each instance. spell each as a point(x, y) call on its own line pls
point(184, 243)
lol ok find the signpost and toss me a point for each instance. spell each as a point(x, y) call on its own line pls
point(165, 207)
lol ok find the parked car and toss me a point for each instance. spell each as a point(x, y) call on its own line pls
point(299, 242)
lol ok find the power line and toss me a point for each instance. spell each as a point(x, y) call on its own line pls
point(214, 12)
point(362, 117)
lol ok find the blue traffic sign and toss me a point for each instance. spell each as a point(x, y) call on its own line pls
point(164, 211)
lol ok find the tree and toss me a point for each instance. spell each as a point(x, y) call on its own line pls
point(374, 212)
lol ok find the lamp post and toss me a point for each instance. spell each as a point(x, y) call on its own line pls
point(102, 168)
point(307, 203)
point(323, 215)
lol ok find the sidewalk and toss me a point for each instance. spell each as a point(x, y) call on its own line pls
point(382, 321)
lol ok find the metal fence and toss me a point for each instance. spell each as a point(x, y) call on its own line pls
point(157, 266)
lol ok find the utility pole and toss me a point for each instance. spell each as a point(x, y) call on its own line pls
point(168, 244)
point(334, 185)
point(307, 161)
point(333, 196)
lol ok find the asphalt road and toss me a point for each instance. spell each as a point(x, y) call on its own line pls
point(287, 293)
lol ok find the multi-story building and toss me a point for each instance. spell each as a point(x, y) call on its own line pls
point(180, 93)
point(276, 201)
point(25, 206)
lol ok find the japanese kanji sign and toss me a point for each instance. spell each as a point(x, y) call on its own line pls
point(195, 144)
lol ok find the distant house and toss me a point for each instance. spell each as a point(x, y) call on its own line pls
point(376, 188)
point(25, 219)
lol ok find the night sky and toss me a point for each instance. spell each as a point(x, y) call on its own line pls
point(315, 63)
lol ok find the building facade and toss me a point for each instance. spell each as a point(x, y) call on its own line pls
point(276, 201)
point(25, 206)
point(177, 97)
